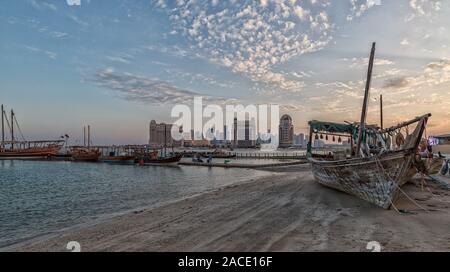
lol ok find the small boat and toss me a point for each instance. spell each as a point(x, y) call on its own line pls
point(121, 159)
point(118, 159)
point(170, 160)
point(381, 161)
point(85, 155)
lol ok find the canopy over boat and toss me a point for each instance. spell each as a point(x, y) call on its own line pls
point(319, 126)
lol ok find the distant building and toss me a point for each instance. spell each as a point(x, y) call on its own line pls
point(299, 140)
point(160, 135)
point(286, 131)
point(220, 138)
point(196, 143)
point(244, 133)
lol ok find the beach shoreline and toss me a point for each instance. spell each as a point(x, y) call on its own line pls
point(286, 211)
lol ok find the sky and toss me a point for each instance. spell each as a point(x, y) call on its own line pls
point(118, 64)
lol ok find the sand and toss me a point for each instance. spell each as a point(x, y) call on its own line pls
point(284, 212)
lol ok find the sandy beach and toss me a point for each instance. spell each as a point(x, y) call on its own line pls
point(287, 211)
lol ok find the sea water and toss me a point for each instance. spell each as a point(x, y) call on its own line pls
point(40, 197)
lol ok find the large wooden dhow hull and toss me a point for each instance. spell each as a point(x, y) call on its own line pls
point(376, 180)
point(29, 153)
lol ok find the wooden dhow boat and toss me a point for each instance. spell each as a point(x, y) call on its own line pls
point(119, 159)
point(375, 178)
point(169, 160)
point(30, 153)
point(81, 154)
point(153, 158)
point(14, 149)
point(382, 160)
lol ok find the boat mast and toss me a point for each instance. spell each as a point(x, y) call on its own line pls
point(84, 136)
point(381, 111)
point(165, 140)
point(89, 137)
point(362, 124)
point(12, 129)
point(3, 128)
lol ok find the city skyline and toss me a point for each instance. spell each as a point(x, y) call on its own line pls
point(120, 64)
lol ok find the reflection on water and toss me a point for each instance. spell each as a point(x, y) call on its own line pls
point(39, 197)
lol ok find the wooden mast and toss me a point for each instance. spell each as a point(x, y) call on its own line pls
point(12, 129)
point(3, 127)
point(165, 140)
point(381, 111)
point(362, 124)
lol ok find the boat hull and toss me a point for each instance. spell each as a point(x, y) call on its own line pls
point(376, 180)
point(85, 159)
point(32, 153)
point(163, 161)
point(128, 160)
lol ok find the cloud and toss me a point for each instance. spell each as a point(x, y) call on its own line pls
point(434, 73)
point(73, 2)
point(49, 54)
point(78, 21)
point(43, 5)
point(150, 91)
point(398, 82)
point(425, 7)
point(404, 42)
point(364, 62)
point(118, 59)
point(252, 37)
point(193, 78)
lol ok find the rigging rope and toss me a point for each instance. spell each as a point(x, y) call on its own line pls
point(379, 165)
point(7, 122)
point(20, 131)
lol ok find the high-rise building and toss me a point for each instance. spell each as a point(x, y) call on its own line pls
point(160, 135)
point(299, 140)
point(244, 133)
point(286, 131)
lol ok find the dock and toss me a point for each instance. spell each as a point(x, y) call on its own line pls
point(244, 165)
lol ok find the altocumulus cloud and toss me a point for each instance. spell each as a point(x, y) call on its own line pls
point(252, 37)
point(150, 91)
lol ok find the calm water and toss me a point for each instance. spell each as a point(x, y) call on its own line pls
point(40, 197)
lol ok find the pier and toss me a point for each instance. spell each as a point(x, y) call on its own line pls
point(244, 165)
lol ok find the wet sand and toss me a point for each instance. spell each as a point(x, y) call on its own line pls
point(285, 212)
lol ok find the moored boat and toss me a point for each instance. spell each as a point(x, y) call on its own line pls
point(123, 159)
point(23, 149)
point(29, 153)
point(380, 162)
point(169, 160)
point(153, 158)
point(85, 155)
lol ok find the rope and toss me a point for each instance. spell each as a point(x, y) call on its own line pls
point(433, 195)
point(7, 122)
point(18, 127)
point(412, 200)
point(379, 165)
point(395, 208)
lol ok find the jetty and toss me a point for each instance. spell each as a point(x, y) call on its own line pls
point(244, 165)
